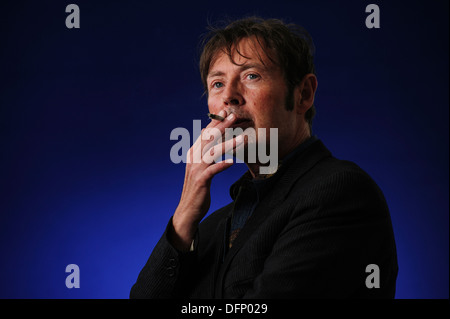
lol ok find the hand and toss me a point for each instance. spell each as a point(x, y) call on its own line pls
point(195, 197)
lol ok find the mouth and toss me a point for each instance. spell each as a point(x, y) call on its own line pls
point(242, 123)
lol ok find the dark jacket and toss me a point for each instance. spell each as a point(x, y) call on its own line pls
point(312, 236)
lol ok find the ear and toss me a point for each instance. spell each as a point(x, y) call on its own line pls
point(304, 93)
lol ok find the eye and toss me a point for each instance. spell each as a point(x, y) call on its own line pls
point(253, 76)
point(217, 85)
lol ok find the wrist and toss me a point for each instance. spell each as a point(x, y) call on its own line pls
point(183, 233)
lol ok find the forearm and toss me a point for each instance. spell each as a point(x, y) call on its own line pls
point(183, 231)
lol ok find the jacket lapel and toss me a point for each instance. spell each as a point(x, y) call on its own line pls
point(281, 189)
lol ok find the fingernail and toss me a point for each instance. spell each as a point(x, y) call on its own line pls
point(239, 139)
point(222, 113)
point(231, 117)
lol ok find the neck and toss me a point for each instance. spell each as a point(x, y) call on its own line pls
point(255, 168)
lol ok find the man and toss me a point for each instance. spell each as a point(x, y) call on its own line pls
point(311, 229)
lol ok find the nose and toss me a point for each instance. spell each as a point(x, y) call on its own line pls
point(232, 96)
point(232, 101)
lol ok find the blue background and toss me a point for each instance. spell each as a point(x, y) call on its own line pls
point(86, 115)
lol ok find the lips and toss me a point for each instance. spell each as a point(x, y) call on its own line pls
point(242, 123)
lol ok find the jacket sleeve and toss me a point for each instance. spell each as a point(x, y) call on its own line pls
point(325, 247)
point(164, 274)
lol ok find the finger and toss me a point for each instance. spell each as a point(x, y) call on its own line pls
point(214, 122)
point(216, 168)
point(207, 139)
point(210, 136)
point(219, 150)
point(227, 122)
point(205, 135)
point(217, 132)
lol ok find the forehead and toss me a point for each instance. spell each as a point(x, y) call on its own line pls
point(247, 50)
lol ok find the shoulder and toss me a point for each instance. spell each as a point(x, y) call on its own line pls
point(338, 185)
point(317, 165)
point(341, 174)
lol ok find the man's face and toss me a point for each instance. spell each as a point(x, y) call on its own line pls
point(254, 89)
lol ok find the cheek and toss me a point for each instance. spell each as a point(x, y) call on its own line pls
point(266, 107)
point(213, 105)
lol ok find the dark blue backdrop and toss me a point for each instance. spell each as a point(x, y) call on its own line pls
point(86, 115)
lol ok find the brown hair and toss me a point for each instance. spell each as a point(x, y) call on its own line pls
point(291, 44)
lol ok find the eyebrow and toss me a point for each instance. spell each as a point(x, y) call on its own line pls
point(241, 69)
